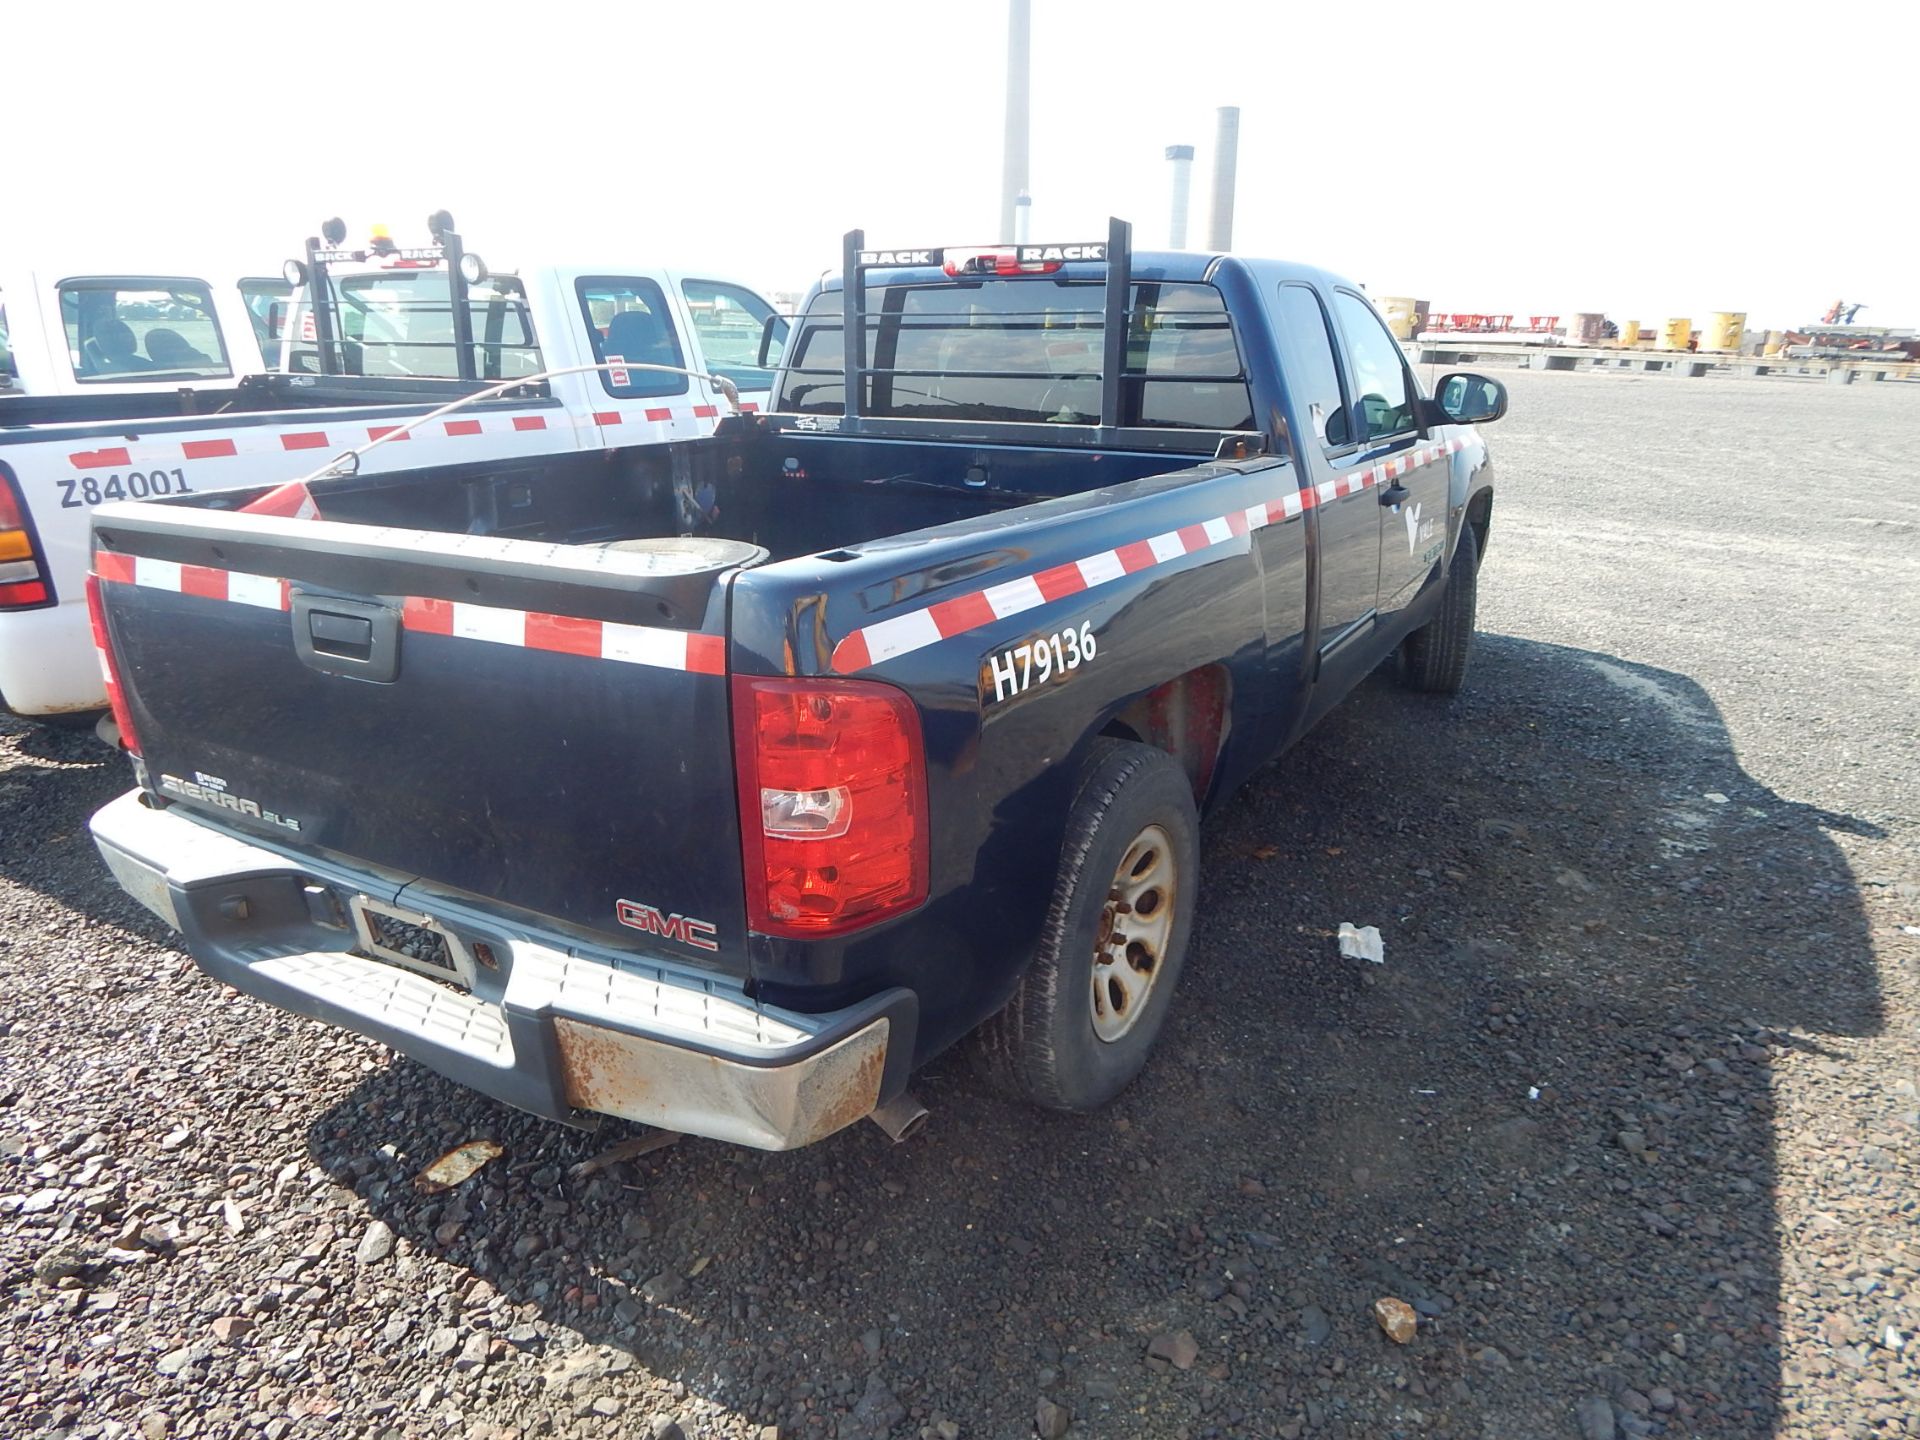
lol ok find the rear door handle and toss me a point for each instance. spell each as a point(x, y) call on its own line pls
point(1394, 494)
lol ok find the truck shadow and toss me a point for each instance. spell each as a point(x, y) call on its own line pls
point(1547, 1122)
point(59, 777)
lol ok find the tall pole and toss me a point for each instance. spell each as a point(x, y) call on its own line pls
point(1181, 159)
point(1013, 169)
point(1226, 157)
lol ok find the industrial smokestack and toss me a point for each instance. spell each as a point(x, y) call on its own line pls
point(1181, 158)
point(1226, 157)
point(1013, 168)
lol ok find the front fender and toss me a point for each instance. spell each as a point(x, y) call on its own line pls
point(1469, 483)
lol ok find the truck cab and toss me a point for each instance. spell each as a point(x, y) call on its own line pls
point(133, 331)
point(442, 313)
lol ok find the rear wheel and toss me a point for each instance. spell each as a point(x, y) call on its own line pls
point(1434, 657)
point(1090, 1007)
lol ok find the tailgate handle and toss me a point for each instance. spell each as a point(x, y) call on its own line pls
point(356, 638)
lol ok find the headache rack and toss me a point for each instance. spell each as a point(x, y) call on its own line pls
point(1116, 315)
point(324, 305)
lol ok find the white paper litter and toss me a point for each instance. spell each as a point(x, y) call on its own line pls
point(1363, 943)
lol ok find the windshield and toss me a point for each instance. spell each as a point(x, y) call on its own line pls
point(400, 323)
point(141, 329)
point(1027, 351)
point(9, 372)
point(728, 321)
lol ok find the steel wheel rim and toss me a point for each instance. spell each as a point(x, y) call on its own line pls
point(1136, 923)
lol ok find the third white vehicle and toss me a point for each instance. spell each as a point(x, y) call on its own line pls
point(401, 332)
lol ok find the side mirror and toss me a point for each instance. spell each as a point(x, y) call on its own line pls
point(1469, 399)
point(771, 328)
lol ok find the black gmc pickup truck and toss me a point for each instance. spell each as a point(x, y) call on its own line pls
point(719, 785)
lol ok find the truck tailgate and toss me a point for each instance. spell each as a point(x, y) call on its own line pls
point(541, 727)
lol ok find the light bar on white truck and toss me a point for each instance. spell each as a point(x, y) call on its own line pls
point(319, 325)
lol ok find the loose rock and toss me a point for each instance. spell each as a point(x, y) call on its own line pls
point(376, 1244)
point(1397, 1319)
point(1177, 1348)
point(1595, 1414)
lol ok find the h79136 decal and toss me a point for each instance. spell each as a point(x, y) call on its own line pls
point(1044, 658)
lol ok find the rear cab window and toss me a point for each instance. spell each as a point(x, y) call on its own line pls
point(728, 321)
point(141, 328)
point(628, 320)
point(1028, 351)
point(400, 323)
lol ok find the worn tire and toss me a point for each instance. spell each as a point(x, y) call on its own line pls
point(1043, 1046)
point(1434, 657)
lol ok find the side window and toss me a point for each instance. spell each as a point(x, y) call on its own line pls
point(266, 302)
point(144, 329)
point(1311, 367)
point(728, 321)
point(627, 319)
point(1385, 399)
point(813, 382)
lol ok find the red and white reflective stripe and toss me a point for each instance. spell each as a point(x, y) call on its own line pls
point(568, 635)
point(120, 457)
point(903, 634)
point(205, 581)
point(661, 414)
point(531, 629)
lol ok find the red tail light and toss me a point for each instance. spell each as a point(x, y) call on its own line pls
point(833, 804)
point(23, 578)
point(109, 666)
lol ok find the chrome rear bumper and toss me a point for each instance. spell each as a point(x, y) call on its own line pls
point(548, 1027)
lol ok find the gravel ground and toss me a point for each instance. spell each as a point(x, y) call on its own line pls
point(1628, 1117)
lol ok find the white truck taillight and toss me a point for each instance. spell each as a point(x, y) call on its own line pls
point(833, 804)
point(23, 573)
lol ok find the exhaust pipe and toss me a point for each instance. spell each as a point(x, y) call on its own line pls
point(901, 1117)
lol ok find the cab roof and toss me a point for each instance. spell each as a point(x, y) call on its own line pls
point(1153, 266)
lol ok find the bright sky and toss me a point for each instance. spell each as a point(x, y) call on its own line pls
point(1646, 160)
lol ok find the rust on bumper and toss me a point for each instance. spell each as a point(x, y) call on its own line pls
point(779, 1106)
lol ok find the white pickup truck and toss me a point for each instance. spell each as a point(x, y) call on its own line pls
point(401, 333)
